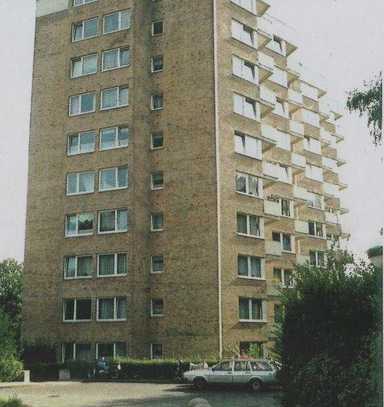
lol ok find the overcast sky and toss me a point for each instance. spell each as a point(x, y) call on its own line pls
point(342, 39)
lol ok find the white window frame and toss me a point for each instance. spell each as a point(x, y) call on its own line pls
point(317, 258)
point(77, 225)
point(116, 223)
point(291, 208)
point(152, 137)
point(157, 272)
point(156, 315)
point(241, 74)
point(316, 223)
point(83, 30)
point(245, 141)
point(310, 201)
point(261, 225)
point(283, 271)
point(153, 108)
point(115, 299)
point(248, 177)
point(116, 170)
point(81, 59)
point(152, 64)
point(115, 273)
point(79, 135)
point(249, 261)
point(263, 310)
point(154, 187)
point(76, 277)
point(75, 310)
point(78, 174)
point(119, 28)
point(80, 96)
point(74, 349)
point(117, 130)
point(152, 216)
point(118, 105)
point(292, 242)
point(82, 2)
point(114, 348)
point(120, 66)
point(243, 112)
point(242, 37)
point(153, 28)
point(151, 351)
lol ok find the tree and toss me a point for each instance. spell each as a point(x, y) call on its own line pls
point(369, 101)
point(330, 324)
point(11, 292)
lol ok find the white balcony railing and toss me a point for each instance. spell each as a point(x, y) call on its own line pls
point(273, 248)
point(278, 47)
point(324, 106)
point(332, 218)
point(296, 127)
point(312, 145)
point(295, 97)
point(310, 117)
point(300, 193)
point(293, 64)
point(329, 163)
point(271, 170)
point(298, 160)
point(267, 95)
point(309, 91)
point(266, 61)
point(281, 110)
point(327, 138)
point(272, 208)
point(280, 77)
point(265, 26)
point(301, 226)
point(331, 189)
point(269, 132)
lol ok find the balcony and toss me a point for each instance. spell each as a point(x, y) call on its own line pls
point(324, 108)
point(295, 100)
point(279, 79)
point(300, 193)
point(279, 47)
point(272, 208)
point(268, 136)
point(281, 110)
point(267, 101)
point(261, 7)
point(342, 186)
point(294, 69)
point(329, 164)
point(327, 138)
point(332, 218)
point(272, 248)
point(309, 91)
point(298, 162)
point(264, 30)
point(331, 189)
point(311, 118)
point(341, 162)
point(301, 227)
point(266, 66)
point(296, 129)
point(271, 170)
point(301, 259)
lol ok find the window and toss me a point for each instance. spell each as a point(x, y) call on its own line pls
point(81, 2)
point(285, 240)
point(156, 351)
point(113, 98)
point(315, 200)
point(245, 107)
point(284, 173)
point(85, 65)
point(80, 183)
point(84, 29)
point(243, 33)
point(157, 140)
point(82, 104)
point(283, 140)
point(317, 258)
point(77, 310)
point(247, 145)
point(76, 351)
point(81, 143)
point(157, 63)
point(113, 264)
point(113, 221)
point(115, 58)
point(225, 366)
point(313, 172)
point(157, 102)
point(283, 277)
point(114, 137)
point(78, 267)
point(111, 350)
point(157, 308)
point(157, 28)
point(113, 178)
point(250, 267)
point(286, 207)
point(79, 224)
point(157, 222)
point(251, 309)
point(249, 184)
point(250, 225)
point(278, 312)
point(281, 108)
point(256, 347)
point(120, 20)
point(249, 5)
point(244, 69)
point(112, 309)
point(278, 45)
point(157, 180)
point(157, 264)
point(312, 145)
point(315, 229)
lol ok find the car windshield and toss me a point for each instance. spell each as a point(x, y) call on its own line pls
point(260, 365)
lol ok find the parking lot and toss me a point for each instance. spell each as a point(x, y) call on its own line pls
point(76, 394)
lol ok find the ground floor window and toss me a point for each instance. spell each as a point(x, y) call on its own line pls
point(76, 351)
point(254, 348)
point(156, 351)
point(111, 350)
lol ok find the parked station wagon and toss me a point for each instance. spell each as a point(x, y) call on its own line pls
point(255, 373)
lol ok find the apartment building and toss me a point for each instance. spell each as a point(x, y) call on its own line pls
point(181, 165)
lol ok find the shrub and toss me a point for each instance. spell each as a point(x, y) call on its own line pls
point(11, 402)
point(10, 368)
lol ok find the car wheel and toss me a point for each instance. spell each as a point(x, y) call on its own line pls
point(200, 383)
point(256, 385)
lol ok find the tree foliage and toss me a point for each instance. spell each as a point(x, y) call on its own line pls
point(369, 101)
point(330, 324)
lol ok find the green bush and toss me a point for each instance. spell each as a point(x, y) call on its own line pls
point(45, 371)
point(79, 369)
point(10, 368)
point(11, 402)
